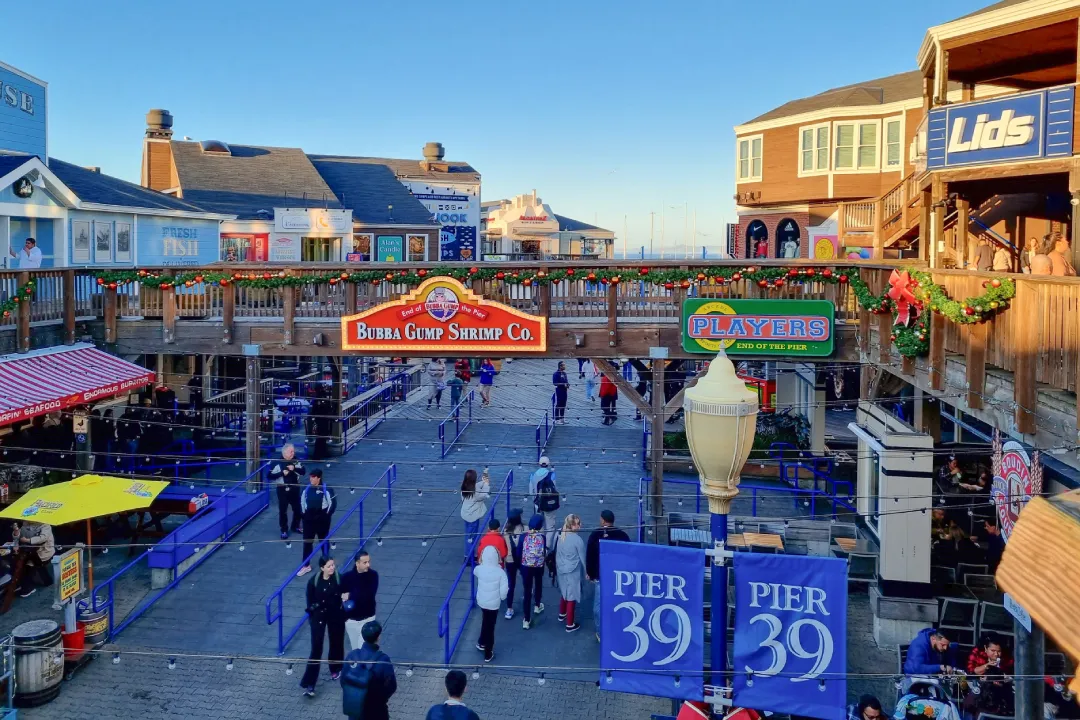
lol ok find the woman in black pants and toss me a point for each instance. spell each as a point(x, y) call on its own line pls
point(562, 387)
point(325, 614)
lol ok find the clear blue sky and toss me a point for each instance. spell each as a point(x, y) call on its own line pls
point(608, 109)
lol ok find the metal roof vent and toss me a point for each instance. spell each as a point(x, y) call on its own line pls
point(215, 146)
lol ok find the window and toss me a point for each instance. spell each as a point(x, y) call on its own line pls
point(361, 247)
point(320, 249)
point(856, 146)
point(814, 149)
point(417, 248)
point(894, 140)
point(750, 159)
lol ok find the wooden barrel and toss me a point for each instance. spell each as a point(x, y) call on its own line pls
point(96, 626)
point(39, 662)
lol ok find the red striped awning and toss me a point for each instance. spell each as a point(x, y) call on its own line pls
point(53, 380)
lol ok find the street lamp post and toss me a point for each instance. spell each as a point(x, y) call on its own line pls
point(721, 419)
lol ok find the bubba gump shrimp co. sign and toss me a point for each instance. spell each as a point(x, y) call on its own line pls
point(442, 315)
point(1017, 479)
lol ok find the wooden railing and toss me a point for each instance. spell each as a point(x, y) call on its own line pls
point(884, 218)
point(858, 216)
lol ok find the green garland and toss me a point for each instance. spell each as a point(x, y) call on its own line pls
point(9, 306)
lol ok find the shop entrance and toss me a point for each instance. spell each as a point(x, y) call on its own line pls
point(320, 249)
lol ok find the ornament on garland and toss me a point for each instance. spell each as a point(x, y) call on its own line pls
point(900, 290)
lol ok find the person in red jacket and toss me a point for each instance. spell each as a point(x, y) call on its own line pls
point(609, 396)
point(493, 538)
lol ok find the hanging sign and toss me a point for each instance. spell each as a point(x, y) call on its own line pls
point(791, 634)
point(442, 315)
point(652, 635)
point(1017, 479)
point(801, 328)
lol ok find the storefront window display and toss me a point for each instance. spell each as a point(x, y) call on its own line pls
point(417, 248)
point(320, 249)
point(787, 239)
point(757, 240)
point(245, 247)
point(361, 248)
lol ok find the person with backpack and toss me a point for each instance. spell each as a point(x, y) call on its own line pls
point(474, 498)
point(513, 532)
point(533, 555)
point(453, 708)
point(317, 505)
point(606, 531)
point(546, 497)
point(491, 589)
point(493, 538)
point(325, 615)
point(368, 680)
point(570, 565)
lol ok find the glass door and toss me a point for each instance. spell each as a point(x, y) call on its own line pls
point(320, 249)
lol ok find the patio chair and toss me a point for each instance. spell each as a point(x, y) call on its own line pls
point(960, 616)
point(993, 617)
point(962, 569)
point(977, 580)
point(940, 575)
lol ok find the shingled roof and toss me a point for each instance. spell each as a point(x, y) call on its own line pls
point(368, 188)
point(571, 225)
point(249, 179)
point(882, 91)
point(992, 8)
point(412, 170)
point(94, 187)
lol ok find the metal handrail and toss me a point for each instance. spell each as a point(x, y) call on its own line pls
point(544, 429)
point(322, 548)
point(383, 395)
point(455, 415)
point(443, 620)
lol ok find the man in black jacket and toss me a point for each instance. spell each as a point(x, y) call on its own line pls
point(360, 584)
point(368, 681)
point(285, 476)
point(317, 505)
point(606, 531)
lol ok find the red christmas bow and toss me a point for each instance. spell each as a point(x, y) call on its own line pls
point(903, 297)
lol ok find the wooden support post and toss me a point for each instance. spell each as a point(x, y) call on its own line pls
point(350, 297)
point(885, 326)
point(543, 296)
point(288, 297)
point(841, 223)
point(252, 415)
point(925, 254)
point(1025, 341)
point(937, 351)
point(907, 365)
point(613, 315)
point(69, 306)
point(228, 312)
point(967, 92)
point(108, 308)
point(879, 229)
point(207, 382)
point(1074, 215)
point(963, 222)
point(168, 314)
point(976, 363)
point(24, 315)
point(656, 490)
point(937, 191)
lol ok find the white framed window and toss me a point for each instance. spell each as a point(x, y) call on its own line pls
point(749, 158)
point(814, 149)
point(892, 157)
point(856, 145)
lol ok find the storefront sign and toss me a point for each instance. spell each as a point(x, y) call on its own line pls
point(391, 248)
point(442, 315)
point(284, 247)
point(1017, 478)
point(791, 634)
point(1017, 127)
point(313, 221)
point(652, 639)
point(172, 241)
point(23, 113)
point(802, 328)
point(71, 577)
point(457, 210)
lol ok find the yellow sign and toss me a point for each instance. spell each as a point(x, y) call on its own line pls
point(71, 583)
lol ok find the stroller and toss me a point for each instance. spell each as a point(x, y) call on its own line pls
point(928, 697)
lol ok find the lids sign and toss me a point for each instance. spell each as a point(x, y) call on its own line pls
point(759, 327)
point(443, 315)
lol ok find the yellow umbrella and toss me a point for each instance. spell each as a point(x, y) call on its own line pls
point(84, 498)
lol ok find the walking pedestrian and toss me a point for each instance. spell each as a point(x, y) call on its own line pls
point(592, 378)
point(285, 476)
point(368, 680)
point(455, 384)
point(317, 503)
point(487, 380)
point(562, 388)
point(474, 498)
point(436, 371)
point(361, 585)
point(463, 370)
point(491, 589)
point(513, 532)
point(452, 708)
point(533, 553)
point(581, 368)
point(325, 615)
point(606, 531)
point(493, 538)
point(637, 379)
point(546, 498)
point(609, 398)
point(570, 565)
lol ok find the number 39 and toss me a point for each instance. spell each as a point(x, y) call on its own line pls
point(821, 656)
point(681, 639)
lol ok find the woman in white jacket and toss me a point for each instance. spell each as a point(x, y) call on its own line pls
point(474, 496)
point(491, 589)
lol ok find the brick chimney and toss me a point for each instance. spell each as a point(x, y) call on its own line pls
point(158, 169)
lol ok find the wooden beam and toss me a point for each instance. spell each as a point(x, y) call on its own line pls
point(975, 357)
point(656, 489)
point(885, 326)
point(1025, 342)
point(628, 390)
point(543, 295)
point(937, 351)
point(168, 314)
point(967, 92)
point(228, 312)
point(879, 229)
point(675, 403)
point(963, 222)
point(289, 299)
point(937, 192)
point(1052, 166)
point(1013, 67)
point(613, 315)
point(108, 309)
point(350, 297)
point(24, 315)
point(924, 226)
point(69, 306)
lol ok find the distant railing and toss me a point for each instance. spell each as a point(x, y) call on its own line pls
point(544, 429)
point(389, 477)
point(450, 641)
point(859, 216)
point(365, 412)
point(455, 416)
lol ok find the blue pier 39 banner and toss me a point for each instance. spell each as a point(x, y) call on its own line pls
point(652, 630)
point(791, 634)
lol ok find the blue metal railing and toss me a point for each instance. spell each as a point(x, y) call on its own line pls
point(455, 415)
point(646, 433)
point(368, 414)
point(170, 545)
point(323, 548)
point(793, 463)
point(450, 642)
point(544, 429)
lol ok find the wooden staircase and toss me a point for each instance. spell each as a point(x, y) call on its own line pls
point(889, 221)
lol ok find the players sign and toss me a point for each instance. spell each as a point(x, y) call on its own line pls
point(442, 315)
point(652, 634)
point(790, 634)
